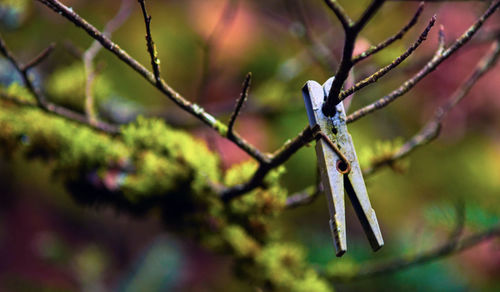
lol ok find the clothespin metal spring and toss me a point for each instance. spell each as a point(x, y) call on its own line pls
point(343, 164)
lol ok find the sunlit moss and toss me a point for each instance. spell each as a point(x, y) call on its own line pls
point(240, 242)
point(152, 165)
point(254, 209)
point(284, 266)
point(76, 150)
point(19, 92)
point(155, 135)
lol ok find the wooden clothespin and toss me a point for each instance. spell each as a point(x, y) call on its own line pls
point(339, 168)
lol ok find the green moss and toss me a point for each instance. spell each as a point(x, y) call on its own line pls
point(255, 209)
point(220, 128)
point(285, 267)
point(19, 92)
point(154, 175)
point(240, 242)
point(170, 159)
point(155, 135)
point(240, 173)
point(151, 165)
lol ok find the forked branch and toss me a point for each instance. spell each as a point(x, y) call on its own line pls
point(380, 73)
point(40, 98)
point(438, 58)
point(375, 49)
point(351, 31)
point(432, 129)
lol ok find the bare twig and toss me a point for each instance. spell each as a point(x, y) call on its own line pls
point(351, 33)
point(41, 99)
point(239, 103)
point(40, 58)
point(438, 58)
point(306, 136)
point(153, 54)
point(377, 75)
point(339, 11)
point(447, 249)
point(278, 158)
point(375, 49)
point(267, 162)
point(431, 130)
point(304, 197)
point(308, 195)
point(89, 55)
point(160, 84)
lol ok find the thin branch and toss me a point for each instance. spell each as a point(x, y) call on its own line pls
point(160, 84)
point(441, 40)
point(155, 62)
point(339, 11)
point(40, 58)
point(351, 33)
point(447, 249)
point(308, 195)
point(375, 49)
point(266, 162)
point(279, 157)
point(431, 130)
point(380, 73)
point(308, 134)
point(239, 103)
point(41, 99)
point(304, 197)
point(89, 55)
point(438, 58)
point(367, 15)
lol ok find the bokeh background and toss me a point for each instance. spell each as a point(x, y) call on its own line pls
point(50, 243)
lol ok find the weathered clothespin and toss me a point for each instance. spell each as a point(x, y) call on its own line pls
point(339, 168)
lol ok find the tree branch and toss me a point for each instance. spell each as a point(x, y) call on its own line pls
point(375, 49)
point(239, 104)
point(431, 130)
point(153, 54)
point(89, 55)
point(438, 58)
point(41, 99)
point(160, 84)
point(279, 157)
point(304, 197)
point(351, 33)
point(380, 73)
point(339, 11)
point(447, 249)
point(40, 58)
